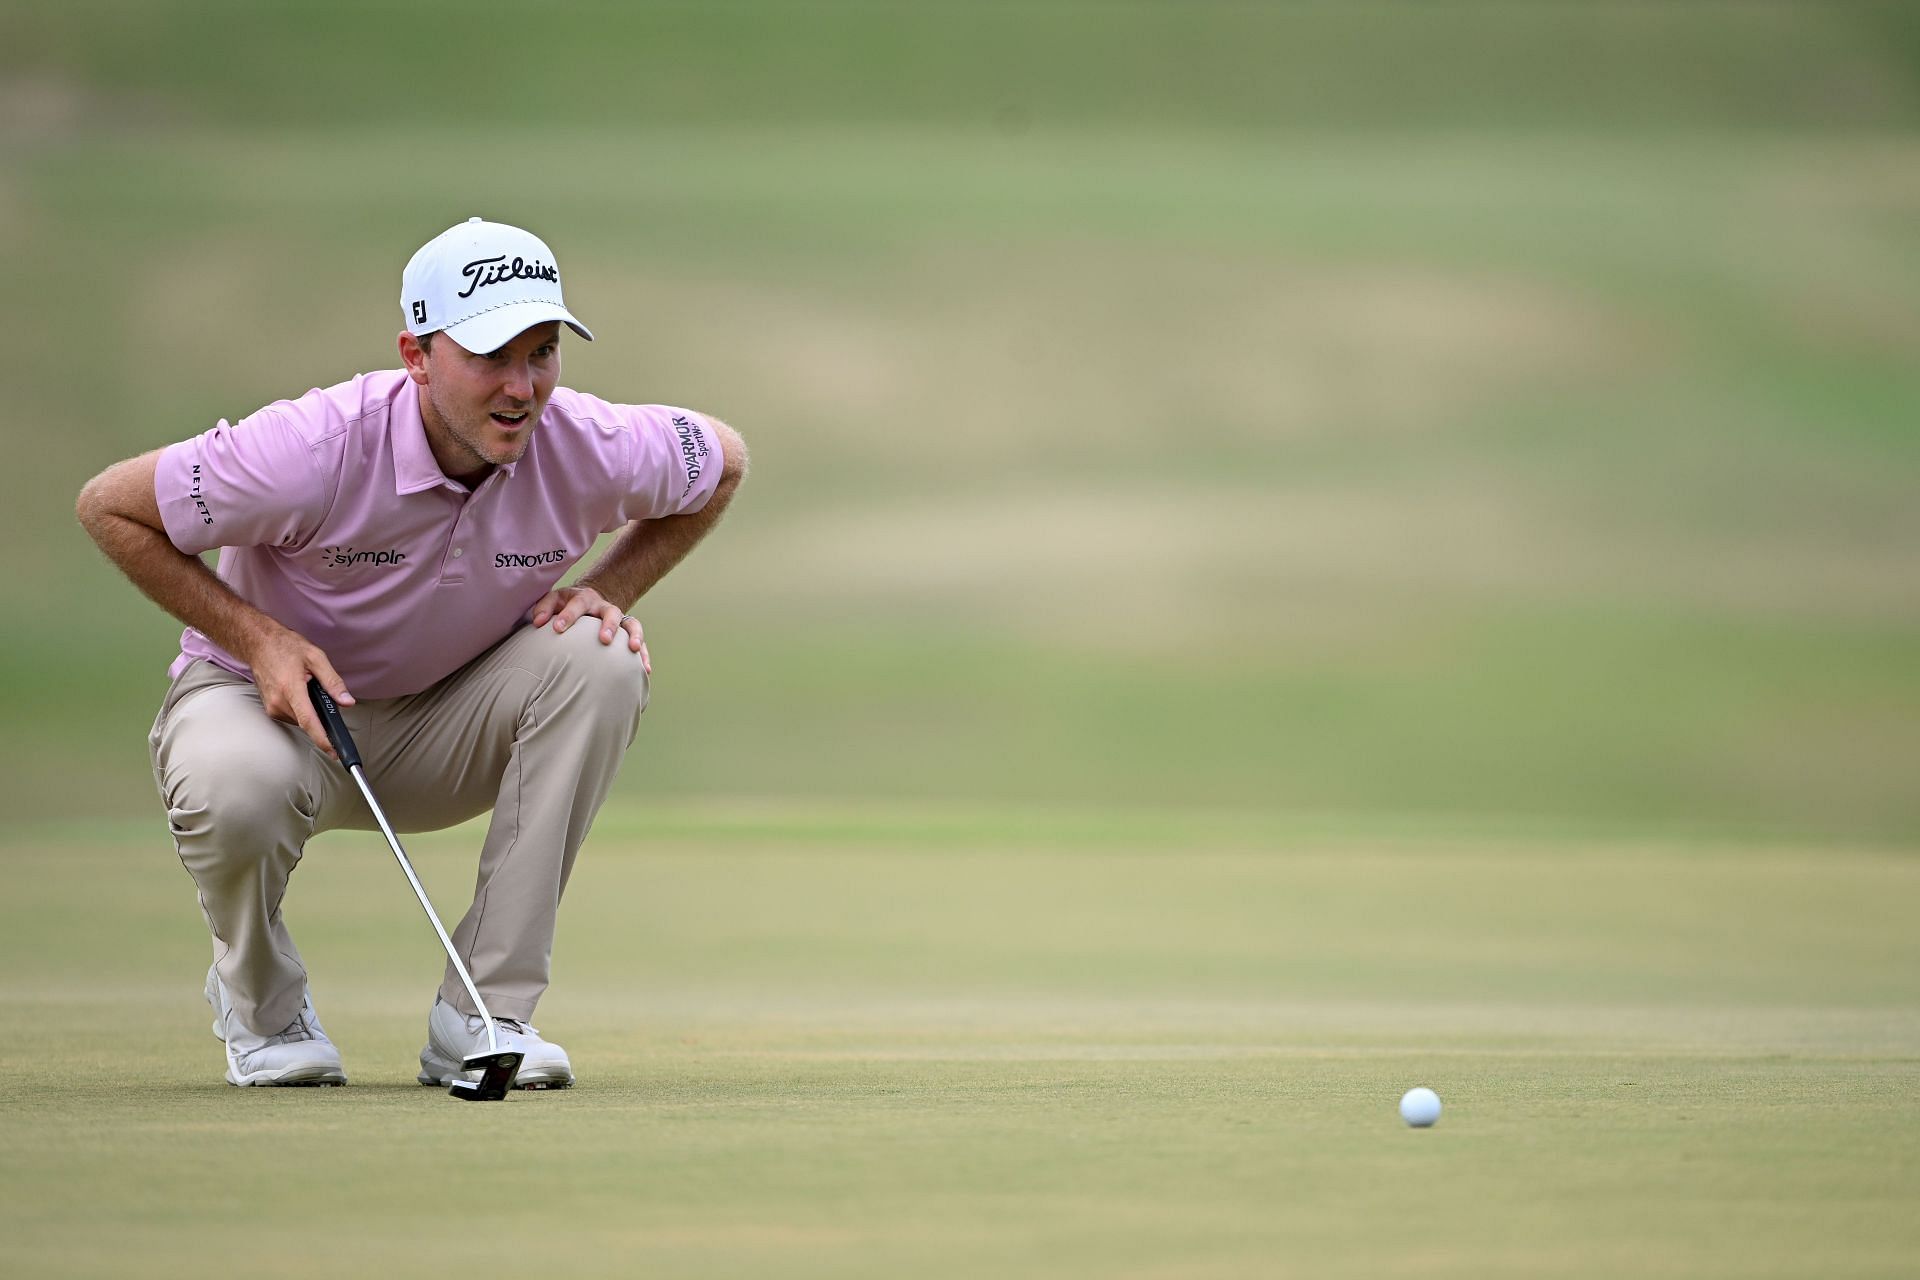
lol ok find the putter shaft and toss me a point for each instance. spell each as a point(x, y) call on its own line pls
point(497, 1067)
point(420, 892)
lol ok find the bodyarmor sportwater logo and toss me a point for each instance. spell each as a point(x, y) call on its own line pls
point(486, 271)
point(348, 557)
point(693, 449)
point(527, 560)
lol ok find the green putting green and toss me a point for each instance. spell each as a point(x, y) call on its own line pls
point(879, 1042)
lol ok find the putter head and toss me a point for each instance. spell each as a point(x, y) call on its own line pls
point(497, 1071)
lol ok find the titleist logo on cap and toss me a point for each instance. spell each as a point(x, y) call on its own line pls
point(448, 286)
point(496, 270)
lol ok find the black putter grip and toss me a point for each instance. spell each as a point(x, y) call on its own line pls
point(336, 725)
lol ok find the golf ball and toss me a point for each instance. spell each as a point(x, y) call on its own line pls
point(1420, 1107)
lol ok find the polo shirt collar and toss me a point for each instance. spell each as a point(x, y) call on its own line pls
point(414, 468)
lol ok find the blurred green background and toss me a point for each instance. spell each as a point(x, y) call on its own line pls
point(1431, 415)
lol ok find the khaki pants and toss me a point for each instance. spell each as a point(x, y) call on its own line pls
point(533, 729)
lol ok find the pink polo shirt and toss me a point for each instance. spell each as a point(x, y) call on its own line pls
point(332, 516)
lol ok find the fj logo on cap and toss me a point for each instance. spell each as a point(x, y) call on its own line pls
point(420, 311)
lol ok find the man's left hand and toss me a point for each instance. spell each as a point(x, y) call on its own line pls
point(564, 606)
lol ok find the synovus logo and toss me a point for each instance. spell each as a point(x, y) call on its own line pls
point(527, 559)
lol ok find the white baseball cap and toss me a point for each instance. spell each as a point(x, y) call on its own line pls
point(483, 284)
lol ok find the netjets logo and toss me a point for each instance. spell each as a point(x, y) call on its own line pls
point(693, 449)
point(497, 270)
point(348, 557)
point(527, 559)
point(197, 492)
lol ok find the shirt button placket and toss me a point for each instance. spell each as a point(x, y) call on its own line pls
point(450, 566)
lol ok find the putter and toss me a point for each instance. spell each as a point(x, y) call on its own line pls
point(496, 1066)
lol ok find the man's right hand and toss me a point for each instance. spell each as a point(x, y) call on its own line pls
point(119, 510)
point(282, 662)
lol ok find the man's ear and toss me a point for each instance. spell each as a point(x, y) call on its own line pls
point(414, 357)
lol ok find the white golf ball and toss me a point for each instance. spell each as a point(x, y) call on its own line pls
point(1420, 1107)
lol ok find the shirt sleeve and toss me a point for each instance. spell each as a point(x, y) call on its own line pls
point(251, 483)
point(676, 462)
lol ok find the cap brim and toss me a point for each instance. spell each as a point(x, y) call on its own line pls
point(495, 327)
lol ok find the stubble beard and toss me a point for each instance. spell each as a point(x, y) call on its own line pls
point(474, 434)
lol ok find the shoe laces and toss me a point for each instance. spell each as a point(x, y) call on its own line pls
point(303, 1027)
point(477, 1025)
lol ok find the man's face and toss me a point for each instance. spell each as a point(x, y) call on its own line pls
point(480, 408)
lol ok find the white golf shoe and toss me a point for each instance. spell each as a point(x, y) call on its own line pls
point(452, 1036)
point(298, 1054)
